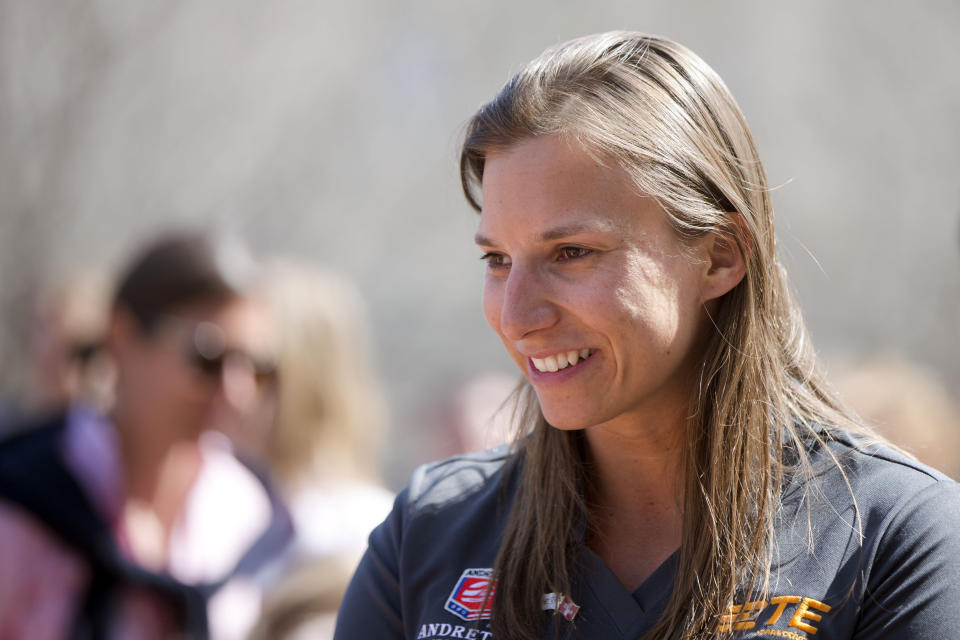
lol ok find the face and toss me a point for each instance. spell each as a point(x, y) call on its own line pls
point(205, 366)
point(593, 294)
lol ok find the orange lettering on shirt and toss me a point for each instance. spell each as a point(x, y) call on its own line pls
point(781, 602)
point(726, 620)
point(803, 611)
point(746, 619)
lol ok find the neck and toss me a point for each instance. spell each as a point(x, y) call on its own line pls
point(636, 514)
point(633, 462)
point(158, 467)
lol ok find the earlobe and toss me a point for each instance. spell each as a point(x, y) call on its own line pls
point(726, 266)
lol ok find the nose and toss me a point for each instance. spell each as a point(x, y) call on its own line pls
point(526, 305)
point(239, 384)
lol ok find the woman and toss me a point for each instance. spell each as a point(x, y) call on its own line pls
point(321, 448)
point(681, 470)
point(124, 526)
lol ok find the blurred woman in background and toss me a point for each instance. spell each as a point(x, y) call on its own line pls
point(125, 526)
point(323, 449)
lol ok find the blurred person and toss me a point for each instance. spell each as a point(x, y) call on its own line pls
point(64, 350)
point(322, 449)
point(681, 469)
point(127, 525)
point(66, 344)
point(908, 405)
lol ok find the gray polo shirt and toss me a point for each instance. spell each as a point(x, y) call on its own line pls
point(426, 572)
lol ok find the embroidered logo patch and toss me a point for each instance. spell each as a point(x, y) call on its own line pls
point(470, 599)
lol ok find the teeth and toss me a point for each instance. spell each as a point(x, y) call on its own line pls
point(560, 361)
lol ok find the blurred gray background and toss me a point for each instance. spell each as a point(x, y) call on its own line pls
point(328, 131)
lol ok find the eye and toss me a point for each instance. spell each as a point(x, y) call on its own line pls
point(571, 253)
point(495, 260)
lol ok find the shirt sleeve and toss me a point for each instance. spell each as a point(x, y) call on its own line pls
point(372, 605)
point(913, 585)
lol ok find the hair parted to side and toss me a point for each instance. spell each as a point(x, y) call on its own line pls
point(660, 112)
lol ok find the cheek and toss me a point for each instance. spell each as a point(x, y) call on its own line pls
point(171, 380)
point(678, 318)
point(492, 303)
point(653, 307)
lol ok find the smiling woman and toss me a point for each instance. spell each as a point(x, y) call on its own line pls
point(681, 470)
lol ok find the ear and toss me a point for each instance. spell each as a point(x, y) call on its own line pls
point(122, 333)
point(725, 266)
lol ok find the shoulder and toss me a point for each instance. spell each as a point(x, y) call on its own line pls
point(32, 437)
point(31, 464)
point(464, 489)
point(874, 486)
point(910, 563)
point(443, 533)
point(890, 485)
point(883, 454)
point(453, 514)
point(865, 538)
point(880, 476)
point(457, 498)
point(872, 537)
point(447, 483)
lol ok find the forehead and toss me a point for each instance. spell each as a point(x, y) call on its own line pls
point(245, 320)
point(550, 182)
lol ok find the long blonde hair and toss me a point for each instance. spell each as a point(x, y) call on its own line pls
point(656, 109)
point(330, 410)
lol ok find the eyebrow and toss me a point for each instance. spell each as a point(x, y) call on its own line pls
point(556, 233)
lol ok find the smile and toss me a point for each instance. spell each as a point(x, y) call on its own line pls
point(560, 361)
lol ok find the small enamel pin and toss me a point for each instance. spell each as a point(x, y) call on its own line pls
point(560, 604)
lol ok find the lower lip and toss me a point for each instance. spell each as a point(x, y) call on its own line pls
point(542, 378)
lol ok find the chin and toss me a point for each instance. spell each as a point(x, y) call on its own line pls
point(565, 420)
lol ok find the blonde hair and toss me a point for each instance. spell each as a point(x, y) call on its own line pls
point(656, 109)
point(330, 409)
